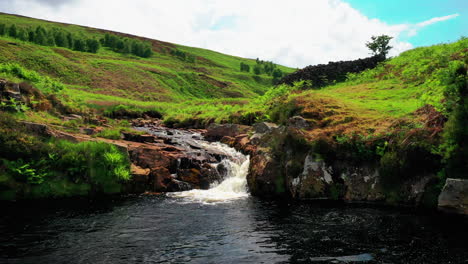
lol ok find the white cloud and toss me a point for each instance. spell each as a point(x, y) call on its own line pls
point(296, 34)
point(415, 28)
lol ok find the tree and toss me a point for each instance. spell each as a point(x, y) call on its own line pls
point(257, 69)
point(277, 74)
point(13, 31)
point(379, 45)
point(31, 36)
point(148, 52)
point(40, 36)
point(70, 40)
point(61, 39)
point(244, 67)
point(93, 45)
point(2, 29)
point(22, 34)
point(79, 45)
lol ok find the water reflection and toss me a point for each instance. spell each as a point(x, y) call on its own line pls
point(164, 230)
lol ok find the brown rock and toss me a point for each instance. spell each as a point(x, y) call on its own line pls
point(151, 157)
point(192, 176)
point(216, 131)
point(159, 179)
point(264, 178)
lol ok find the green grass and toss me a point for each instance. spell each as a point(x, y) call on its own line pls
point(163, 77)
point(399, 86)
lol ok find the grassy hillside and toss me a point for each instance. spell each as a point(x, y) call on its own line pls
point(407, 114)
point(163, 77)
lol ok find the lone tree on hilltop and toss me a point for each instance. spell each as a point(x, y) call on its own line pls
point(379, 45)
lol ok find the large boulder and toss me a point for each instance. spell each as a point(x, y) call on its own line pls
point(454, 196)
point(265, 178)
point(299, 122)
point(264, 127)
point(216, 132)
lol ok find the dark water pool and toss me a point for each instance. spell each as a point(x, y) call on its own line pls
point(152, 229)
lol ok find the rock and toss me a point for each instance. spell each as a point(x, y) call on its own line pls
point(160, 179)
point(139, 180)
point(10, 90)
point(454, 197)
point(230, 141)
point(265, 178)
point(139, 172)
point(129, 136)
point(264, 127)
point(152, 157)
point(312, 183)
point(209, 175)
point(216, 132)
point(299, 122)
point(256, 138)
point(192, 176)
point(178, 186)
point(72, 117)
point(36, 128)
point(91, 130)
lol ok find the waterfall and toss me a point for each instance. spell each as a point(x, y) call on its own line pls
point(233, 187)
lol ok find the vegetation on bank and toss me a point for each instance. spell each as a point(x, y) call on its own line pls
point(32, 166)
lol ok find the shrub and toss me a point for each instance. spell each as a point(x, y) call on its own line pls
point(110, 134)
point(98, 163)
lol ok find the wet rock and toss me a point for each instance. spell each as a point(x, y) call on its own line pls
point(222, 170)
point(139, 180)
point(454, 196)
point(139, 172)
point(209, 175)
point(151, 157)
point(299, 122)
point(265, 178)
point(312, 182)
point(192, 176)
point(160, 179)
point(215, 132)
point(264, 127)
point(178, 186)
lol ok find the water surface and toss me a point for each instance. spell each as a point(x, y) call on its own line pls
point(158, 229)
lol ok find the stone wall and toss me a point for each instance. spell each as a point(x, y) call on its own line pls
point(324, 74)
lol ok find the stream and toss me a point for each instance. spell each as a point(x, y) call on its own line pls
point(224, 225)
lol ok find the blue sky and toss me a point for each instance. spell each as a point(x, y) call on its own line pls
point(295, 33)
point(415, 11)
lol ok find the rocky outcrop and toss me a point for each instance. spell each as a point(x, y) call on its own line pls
point(454, 197)
point(284, 164)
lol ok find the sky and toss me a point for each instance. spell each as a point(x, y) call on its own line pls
point(294, 33)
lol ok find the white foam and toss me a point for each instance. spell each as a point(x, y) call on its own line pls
point(232, 188)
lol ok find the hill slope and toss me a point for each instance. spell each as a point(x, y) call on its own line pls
point(163, 77)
